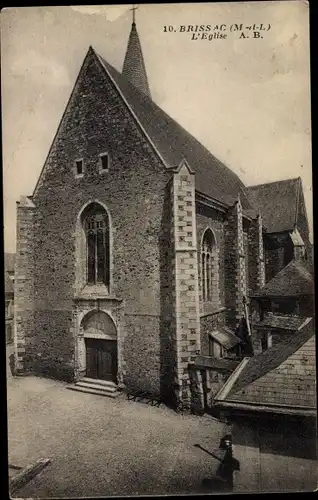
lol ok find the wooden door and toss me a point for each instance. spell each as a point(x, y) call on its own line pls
point(91, 359)
point(101, 359)
point(107, 360)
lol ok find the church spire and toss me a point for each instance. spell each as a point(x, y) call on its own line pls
point(134, 66)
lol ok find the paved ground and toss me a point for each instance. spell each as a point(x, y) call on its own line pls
point(103, 447)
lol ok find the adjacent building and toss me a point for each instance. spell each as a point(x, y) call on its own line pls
point(270, 401)
point(291, 291)
point(284, 214)
point(284, 305)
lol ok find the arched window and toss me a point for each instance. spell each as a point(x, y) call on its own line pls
point(96, 226)
point(209, 268)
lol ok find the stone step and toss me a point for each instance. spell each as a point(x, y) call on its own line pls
point(96, 385)
point(91, 390)
point(106, 383)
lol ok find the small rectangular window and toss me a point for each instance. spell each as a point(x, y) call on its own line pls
point(79, 167)
point(104, 162)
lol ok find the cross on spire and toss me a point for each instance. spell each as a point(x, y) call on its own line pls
point(134, 68)
point(134, 8)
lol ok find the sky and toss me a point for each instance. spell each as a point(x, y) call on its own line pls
point(246, 99)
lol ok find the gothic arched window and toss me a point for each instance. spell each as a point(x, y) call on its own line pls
point(209, 268)
point(96, 226)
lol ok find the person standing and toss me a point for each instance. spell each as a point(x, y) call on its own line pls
point(228, 465)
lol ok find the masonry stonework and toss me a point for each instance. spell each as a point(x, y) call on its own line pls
point(235, 273)
point(133, 190)
point(274, 261)
point(184, 269)
point(256, 264)
point(24, 290)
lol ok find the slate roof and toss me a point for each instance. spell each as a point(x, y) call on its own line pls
point(134, 68)
point(225, 337)
point(251, 213)
point(293, 281)
point(215, 363)
point(278, 203)
point(174, 144)
point(283, 375)
point(281, 322)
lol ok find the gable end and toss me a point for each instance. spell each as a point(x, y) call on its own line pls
point(91, 55)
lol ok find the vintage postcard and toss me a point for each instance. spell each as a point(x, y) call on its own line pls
point(159, 277)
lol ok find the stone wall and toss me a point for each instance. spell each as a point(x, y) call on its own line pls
point(24, 292)
point(256, 264)
point(307, 306)
point(185, 329)
point(134, 192)
point(234, 259)
point(248, 270)
point(274, 262)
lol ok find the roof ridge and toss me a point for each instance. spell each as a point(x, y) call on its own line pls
point(104, 65)
point(170, 121)
point(277, 201)
point(288, 282)
point(276, 355)
point(273, 182)
point(170, 117)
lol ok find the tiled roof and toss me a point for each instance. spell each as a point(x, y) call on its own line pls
point(281, 322)
point(9, 261)
point(134, 68)
point(251, 213)
point(174, 144)
point(292, 281)
point(225, 337)
point(283, 375)
point(278, 203)
point(215, 363)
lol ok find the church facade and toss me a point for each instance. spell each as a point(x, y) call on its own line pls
point(136, 243)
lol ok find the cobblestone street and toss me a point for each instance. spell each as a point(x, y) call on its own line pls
point(100, 447)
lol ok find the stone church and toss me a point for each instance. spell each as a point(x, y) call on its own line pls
point(137, 242)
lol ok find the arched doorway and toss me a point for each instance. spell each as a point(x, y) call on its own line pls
point(100, 337)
